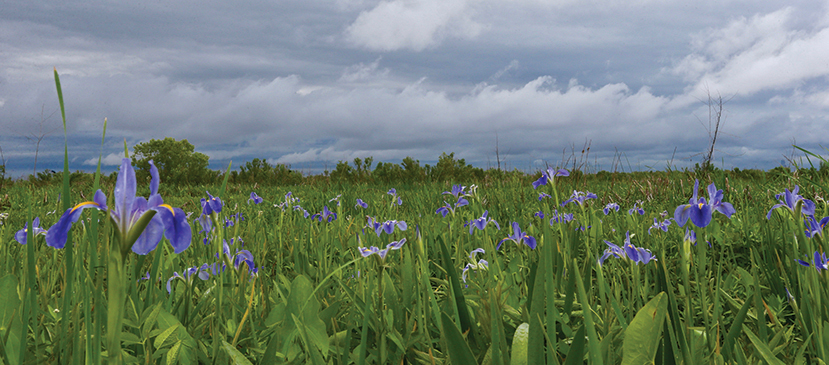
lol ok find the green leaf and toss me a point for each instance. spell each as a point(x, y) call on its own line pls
point(10, 323)
point(172, 355)
point(235, 356)
point(762, 348)
point(520, 342)
point(459, 351)
point(575, 356)
point(162, 338)
point(643, 333)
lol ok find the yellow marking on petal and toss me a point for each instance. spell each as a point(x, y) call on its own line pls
point(700, 205)
point(82, 204)
point(169, 207)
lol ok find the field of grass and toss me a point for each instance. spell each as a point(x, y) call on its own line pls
point(737, 294)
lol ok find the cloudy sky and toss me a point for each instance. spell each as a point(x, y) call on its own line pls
point(309, 83)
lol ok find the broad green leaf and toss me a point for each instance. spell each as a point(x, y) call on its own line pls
point(10, 310)
point(520, 342)
point(762, 348)
point(459, 351)
point(236, 357)
point(643, 333)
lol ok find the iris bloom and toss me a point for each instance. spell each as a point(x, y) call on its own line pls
point(579, 197)
point(368, 251)
point(813, 226)
point(820, 262)
point(457, 190)
point(140, 222)
point(518, 236)
point(550, 174)
point(361, 203)
point(561, 217)
point(481, 264)
point(610, 207)
point(448, 208)
point(663, 226)
point(636, 209)
point(325, 215)
point(395, 199)
point(256, 198)
point(211, 205)
point(480, 223)
point(188, 275)
point(789, 200)
point(631, 252)
point(543, 195)
point(20, 236)
point(700, 211)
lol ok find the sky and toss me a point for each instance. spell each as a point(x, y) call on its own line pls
point(311, 83)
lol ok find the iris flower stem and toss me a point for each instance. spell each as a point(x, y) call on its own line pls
point(245, 316)
point(218, 318)
point(116, 294)
point(686, 258)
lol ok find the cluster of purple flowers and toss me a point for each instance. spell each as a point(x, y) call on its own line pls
point(631, 252)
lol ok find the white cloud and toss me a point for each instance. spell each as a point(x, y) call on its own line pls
point(112, 159)
point(412, 24)
point(749, 55)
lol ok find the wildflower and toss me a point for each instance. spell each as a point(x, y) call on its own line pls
point(140, 222)
point(233, 219)
point(561, 217)
point(395, 199)
point(325, 215)
point(610, 207)
point(481, 264)
point(543, 195)
point(188, 275)
point(636, 209)
point(361, 203)
point(256, 198)
point(20, 236)
point(699, 211)
point(368, 251)
point(579, 197)
point(481, 223)
point(519, 237)
point(447, 208)
point(211, 205)
point(631, 252)
point(539, 214)
point(819, 261)
point(336, 199)
point(304, 212)
point(388, 227)
point(457, 191)
point(814, 227)
point(663, 226)
point(550, 174)
point(789, 199)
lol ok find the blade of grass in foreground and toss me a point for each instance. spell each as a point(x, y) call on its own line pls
point(68, 258)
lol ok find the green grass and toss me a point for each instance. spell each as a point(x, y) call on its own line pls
point(315, 299)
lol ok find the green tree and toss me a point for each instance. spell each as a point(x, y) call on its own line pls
point(177, 161)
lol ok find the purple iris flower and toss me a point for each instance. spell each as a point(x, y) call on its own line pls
point(539, 214)
point(700, 211)
point(550, 174)
point(480, 223)
point(561, 217)
point(325, 215)
point(543, 195)
point(579, 197)
point(361, 203)
point(636, 209)
point(304, 211)
point(519, 237)
point(813, 226)
point(820, 262)
point(395, 199)
point(211, 205)
point(633, 253)
point(457, 190)
point(448, 208)
point(610, 207)
point(256, 198)
point(188, 275)
point(368, 251)
point(20, 236)
point(663, 226)
point(789, 200)
point(388, 227)
point(140, 222)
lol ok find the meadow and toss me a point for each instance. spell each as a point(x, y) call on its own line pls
point(558, 267)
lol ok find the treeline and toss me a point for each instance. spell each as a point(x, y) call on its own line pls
point(180, 165)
